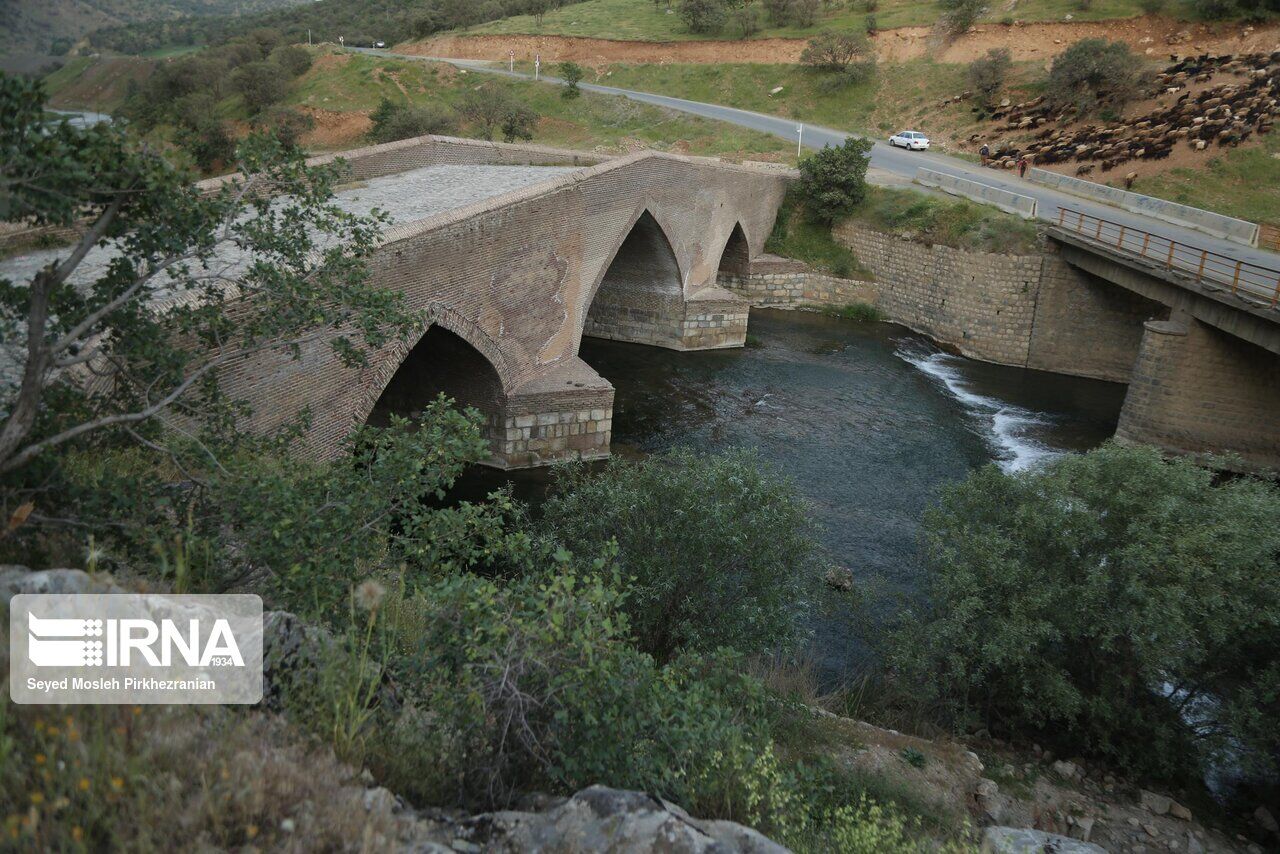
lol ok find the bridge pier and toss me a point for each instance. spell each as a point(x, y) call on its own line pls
point(1198, 390)
point(567, 414)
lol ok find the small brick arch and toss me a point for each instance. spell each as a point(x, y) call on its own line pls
point(735, 254)
point(374, 381)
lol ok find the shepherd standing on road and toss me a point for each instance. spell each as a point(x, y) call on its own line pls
point(1023, 163)
point(985, 154)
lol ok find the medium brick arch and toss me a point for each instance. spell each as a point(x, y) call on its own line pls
point(654, 210)
point(388, 361)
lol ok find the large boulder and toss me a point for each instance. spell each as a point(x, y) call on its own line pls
point(604, 819)
point(1014, 840)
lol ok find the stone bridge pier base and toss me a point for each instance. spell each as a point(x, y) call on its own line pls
point(1198, 390)
point(710, 319)
point(566, 414)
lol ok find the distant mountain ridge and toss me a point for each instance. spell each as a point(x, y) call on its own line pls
point(34, 32)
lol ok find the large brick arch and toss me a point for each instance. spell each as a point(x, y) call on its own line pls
point(664, 225)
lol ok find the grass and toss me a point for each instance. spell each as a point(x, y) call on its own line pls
point(948, 222)
point(1243, 184)
point(796, 236)
point(348, 83)
point(863, 312)
point(640, 20)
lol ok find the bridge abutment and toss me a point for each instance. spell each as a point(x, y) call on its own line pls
point(1198, 390)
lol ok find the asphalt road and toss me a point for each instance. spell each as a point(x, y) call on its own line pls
point(899, 161)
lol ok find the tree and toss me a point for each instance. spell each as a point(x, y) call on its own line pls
point(719, 548)
point(779, 11)
point(265, 264)
point(294, 59)
point(834, 181)
point(1114, 604)
point(538, 9)
point(830, 51)
point(959, 16)
point(491, 109)
point(1094, 74)
point(286, 124)
point(987, 75)
point(804, 13)
point(204, 135)
point(572, 73)
point(261, 84)
point(702, 16)
point(392, 121)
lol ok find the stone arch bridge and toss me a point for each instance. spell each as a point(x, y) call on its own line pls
point(628, 249)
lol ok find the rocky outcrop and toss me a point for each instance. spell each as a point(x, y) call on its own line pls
point(1013, 840)
point(600, 819)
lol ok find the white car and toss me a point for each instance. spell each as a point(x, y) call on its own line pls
point(910, 139)
point(379, 44)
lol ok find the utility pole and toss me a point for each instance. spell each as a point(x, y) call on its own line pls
point(799, 140)
point(308, 37)
point(511, 61)
point(537, 65)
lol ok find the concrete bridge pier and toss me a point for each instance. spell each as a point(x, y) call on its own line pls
point(1196, 389)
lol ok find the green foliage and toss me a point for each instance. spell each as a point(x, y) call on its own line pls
point(286, 124)
point(860, 311)
point(1113, 604)
point(797, 236)
point(913, 757)
point(572, 73)
point(987, 75)
point(840, 53)
point(294, 59)
point(948, 222)
point(490, 109)
point(702, 16)
point(718, 550)
point(1094, 74)
point(959, 16)
point(833, 182)
point(393, 121)
point(105, 453)
point(261, 84)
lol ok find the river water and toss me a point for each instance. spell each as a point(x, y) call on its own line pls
point(868, 419)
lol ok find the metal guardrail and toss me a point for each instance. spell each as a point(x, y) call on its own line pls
point(1241, 277)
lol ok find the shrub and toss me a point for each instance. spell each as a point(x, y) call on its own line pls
point(834, 181)
point(287, 124)
point(745, 21)
point(393, 121)
point(702, 16)
point(572, 73)
point(959, 15)
point(838, 52)
point(987, 75)
point(261, 84)
point(718, 548)
point(491, 110)
point(778, 11)
point(1151, 7)
point(294, 59)
point(804, 13)
point(1094, 74)
point(1114, 604)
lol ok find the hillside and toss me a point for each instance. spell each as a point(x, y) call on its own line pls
point(34, 34)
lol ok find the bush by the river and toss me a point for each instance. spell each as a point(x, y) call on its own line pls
point(718, 550)
point(1114, 604)
point(833, 182)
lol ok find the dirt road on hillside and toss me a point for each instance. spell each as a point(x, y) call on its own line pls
point(1155, 36)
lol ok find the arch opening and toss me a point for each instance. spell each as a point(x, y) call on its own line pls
point(441, 362)
point(735, 260)
point(641, 295)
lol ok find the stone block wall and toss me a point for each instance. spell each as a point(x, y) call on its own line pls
point(1086, 326)
point(799, 288)
point(981, 303)
point(1198, 390)
point(529, 433)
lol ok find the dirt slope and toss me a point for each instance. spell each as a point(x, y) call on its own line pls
point(1027, 41)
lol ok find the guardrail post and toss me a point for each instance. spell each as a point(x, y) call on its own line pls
point(1146, 239)
point(1120, 239)
point(1168, 263)
point(1204, 256)
point(1235, 279)
point(1062, 212)
point(1080, 222)
point(1097, 232)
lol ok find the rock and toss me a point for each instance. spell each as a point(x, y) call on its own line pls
point(1083, 828)
point(1066, 769)
point(19, 579)
point(1153, 803)
point(1194, 846)
point(839, 578)
point(1178, 811)
point(1151, 830)
point(775, 90)
point(1013, 840)
point(1264, 819)
point(379, 800)
point(603, 819)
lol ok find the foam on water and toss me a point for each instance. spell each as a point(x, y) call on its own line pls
point(1005, 426)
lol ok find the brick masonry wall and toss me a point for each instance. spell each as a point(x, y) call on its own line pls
point(515, 276)
point(1198, 390)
